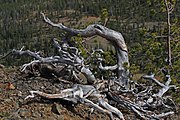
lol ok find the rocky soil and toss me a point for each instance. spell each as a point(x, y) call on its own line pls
point(15, 86)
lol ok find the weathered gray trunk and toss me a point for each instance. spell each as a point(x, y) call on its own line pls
point(114, 37)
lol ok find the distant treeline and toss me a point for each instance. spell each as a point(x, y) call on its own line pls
point(21, 23)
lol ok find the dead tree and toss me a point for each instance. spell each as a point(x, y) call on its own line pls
point(114, 37)
point(169, 9)
point(142, 100)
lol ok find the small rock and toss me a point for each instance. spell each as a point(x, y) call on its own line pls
point(7, 100)
point(19, 93)
point(10, 86)
point(36, 115)
point(24, 113)
point(2, 66)
point(57, 90)
point(42, 87)
point(21, 101)
point(15, 117)
point(56, 108)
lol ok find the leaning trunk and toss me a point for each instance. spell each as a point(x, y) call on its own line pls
point(114, 37)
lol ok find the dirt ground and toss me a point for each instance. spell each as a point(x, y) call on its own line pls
point(15, 86)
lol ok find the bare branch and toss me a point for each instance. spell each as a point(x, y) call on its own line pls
point(151, 77)
point(114, 37)
point(108, 67)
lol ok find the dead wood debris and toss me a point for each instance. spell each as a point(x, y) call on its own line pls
point(107, 96)
point(142, 101)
